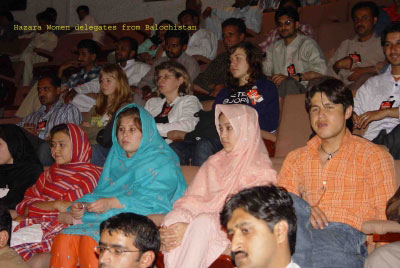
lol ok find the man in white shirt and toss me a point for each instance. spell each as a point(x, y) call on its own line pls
point(377, 102)
point(85, 20)
point(261, 223)
point(202, 43)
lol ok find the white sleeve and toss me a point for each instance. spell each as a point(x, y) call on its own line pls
point(185, 120)
point(154, 106)
point(205, 46)
point(361, 99)
point(93, 86)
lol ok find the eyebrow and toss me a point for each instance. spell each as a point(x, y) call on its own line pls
point(111, 245)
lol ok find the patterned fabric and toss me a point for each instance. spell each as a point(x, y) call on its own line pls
point(66, 182)
point(58, 114)
point(274, 36)
point(149, 182)
point(223, 174)
point(82, 77)
point(351, 188)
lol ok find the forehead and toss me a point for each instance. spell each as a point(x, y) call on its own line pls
point(116, 238)
point(83, 50)
point(230, 29)
point(107, 76)
point(164, 71)
point(223, 119)
point(239, 52)
point(174, 40)
point(123, 43)
point(187, 17)
point(392, 37)
point(320, 98)
point(127, 121)
point(60, 136)
point(284, 18)
point(241, 217)
point(365, 11)
point(45, 82)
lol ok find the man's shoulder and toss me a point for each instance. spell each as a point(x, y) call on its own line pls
point(368, 149)
point(374, 83)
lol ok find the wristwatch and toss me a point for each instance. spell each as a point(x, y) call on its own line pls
point(300, 75)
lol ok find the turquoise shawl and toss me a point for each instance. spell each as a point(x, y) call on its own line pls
point(147, 183)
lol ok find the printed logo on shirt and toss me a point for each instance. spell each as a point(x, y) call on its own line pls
point(387, 104)
point(96, 121)
point(239, 97)
point(291, 70)
point(254, 96)
point(41, 125)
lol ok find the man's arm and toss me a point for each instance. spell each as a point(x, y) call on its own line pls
point(363, 120)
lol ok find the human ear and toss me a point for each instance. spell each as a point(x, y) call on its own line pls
point(58, 90)
point(147, 259)
point(348, 112)
point(281, 231)
point(132, 54)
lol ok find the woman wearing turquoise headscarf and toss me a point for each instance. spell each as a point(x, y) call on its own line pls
point(141, 175)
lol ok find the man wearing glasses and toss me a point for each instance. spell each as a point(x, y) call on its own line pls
point(128, 240)
point(295, 59)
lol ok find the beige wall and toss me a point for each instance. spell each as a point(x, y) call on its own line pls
point(109, 11)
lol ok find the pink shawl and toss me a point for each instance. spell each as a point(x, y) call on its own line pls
point(225, 174)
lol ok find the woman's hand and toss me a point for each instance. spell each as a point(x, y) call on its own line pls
point(61, 206)
point(171, 236)
point(103, 205)
point(77, 210)
point(13, 213)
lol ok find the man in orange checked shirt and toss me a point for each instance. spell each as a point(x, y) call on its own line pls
point(338, 181)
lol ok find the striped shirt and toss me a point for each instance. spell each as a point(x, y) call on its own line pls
point(58, 114)
point(351, 188)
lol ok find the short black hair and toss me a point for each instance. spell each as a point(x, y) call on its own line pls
point(144, 231)
point(295, 2)
point(394, 27)
point(288, 11)
point(59, 128)
point(5, 221)
point(54, 79)
point(181, 34)
point(268, 203)
point(8, 15)
point(83, 8)
point(133, 44)
point(44, 16)
point(366, 4)
point(52, 12)
point(335, 91)
point(239, 23)
point(91, 46)
point(190, 12)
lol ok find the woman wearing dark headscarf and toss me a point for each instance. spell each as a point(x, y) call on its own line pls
point(19, 165)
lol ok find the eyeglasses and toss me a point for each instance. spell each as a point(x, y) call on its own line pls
point(158, 78)
point(116, 251)
point(287, 23)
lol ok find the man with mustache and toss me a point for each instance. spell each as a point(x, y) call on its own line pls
point(295, 59)
point(53, 111)
point(359, 58)
point(377, 102)
point(261, 223)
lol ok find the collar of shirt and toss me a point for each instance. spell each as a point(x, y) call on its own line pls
point(315, 142)
point(129, 64)
point(57, 105)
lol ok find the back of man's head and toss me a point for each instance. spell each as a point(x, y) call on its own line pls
point(189, 12)
point(287, 11)
point(44, 17)
point(5, 226)
point(181, 34)
point(143, 231)
point(239, 23)
point(90, 45)
point(83, 8)
point(268, 203)
point(366, 4)
point(290, 3)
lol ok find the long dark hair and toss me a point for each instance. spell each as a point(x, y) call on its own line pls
point(253, 58)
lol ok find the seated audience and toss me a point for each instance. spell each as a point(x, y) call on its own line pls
point(273, 35)
point(86, 20)
point(214, 78)
point(338, 181)
point(152, 47)
point(203, 43)
point(53, 14)
point(19, 165)
point(175, 108)
point(376, 105)
point(68, 179)
point(357, 59)
point(295, 59)
point(261, 224)
point(176, 42)
point(7, 31)
point(241, 9)
point(98, 123)
point(387, 256)
point(77, 82)
point(43, 39)
point(37, 125)
point(191, 235)
point(131, 233)
point(141, 175)
point(8, 257)
point(246, 85)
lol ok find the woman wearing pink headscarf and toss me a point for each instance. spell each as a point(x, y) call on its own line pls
point(191, 235)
